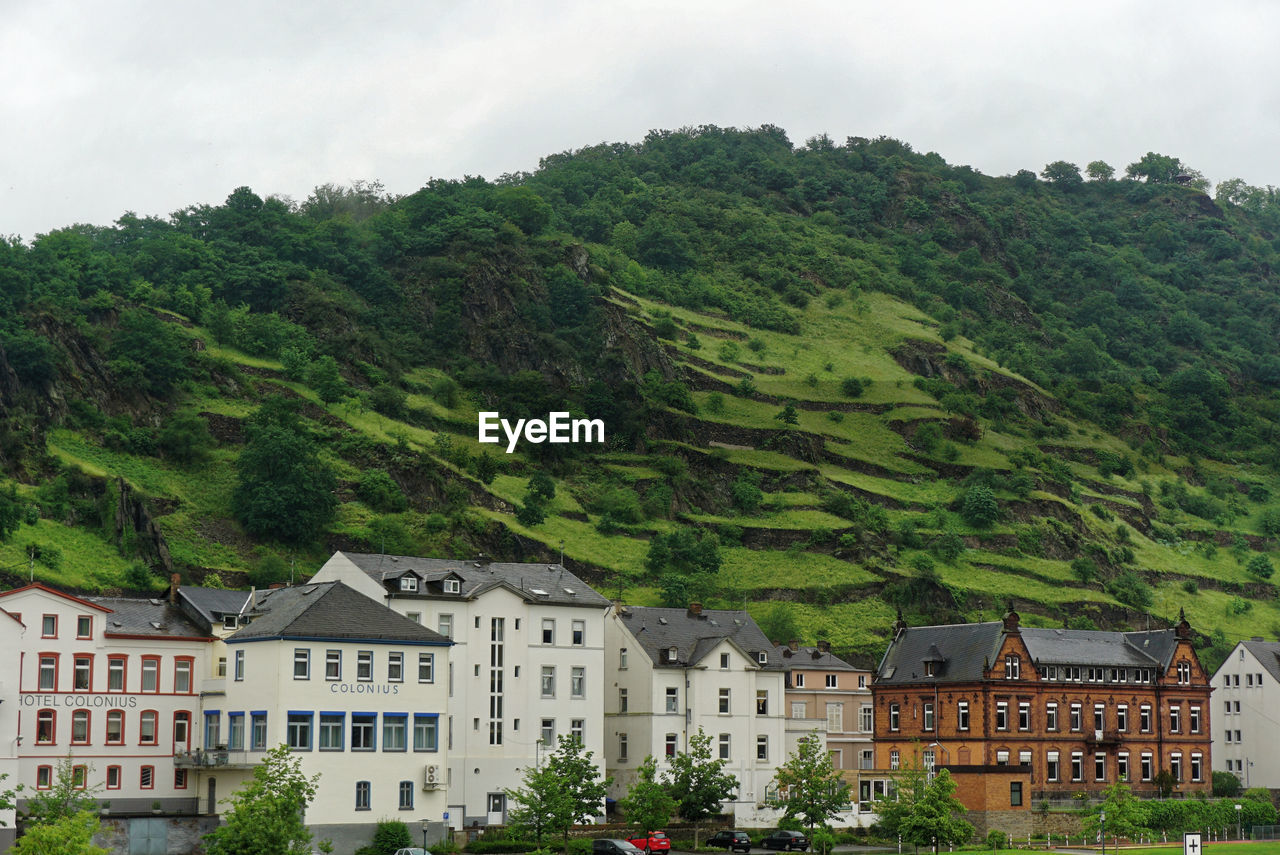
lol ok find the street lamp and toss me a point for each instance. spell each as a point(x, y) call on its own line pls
point(1102, 818)
point(425, 825)
point(1239, 833)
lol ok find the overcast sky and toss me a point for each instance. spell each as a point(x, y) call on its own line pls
point(152, 105)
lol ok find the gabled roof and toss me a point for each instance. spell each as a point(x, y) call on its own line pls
point(965, 647)
point(213, 603)
point(39, 586)
point(695, 634)
point(535, 583)
point(1098, 647)
point(329, 610)
point(156, 618)
point(811, 659)
point(1267, 653)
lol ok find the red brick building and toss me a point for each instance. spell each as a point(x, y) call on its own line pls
point(1048, 712)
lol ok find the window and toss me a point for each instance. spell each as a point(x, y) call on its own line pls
point(894, 760)
point(115, 673)
point(1050, 716)
point(762, 701)
point(84, 626)
point(1122, 717)
point(762, 657)
point(724, 746)
point(332, 724)
point(80, 727)
point(113, 777)
point(862, 681)
point(362, 795)
point(1194, 719)
point(1077, 766)
point(362, 735)
point(865, 721)
point(672, 654)
point(578, 729)
point(1144, 719)
point(416, 617)
point(115, 727)
point(147, 728)
point(928, 715)
point(622, 659)
point(797, 709)
point(49, 672)
point(670, 745)
point(426, 667)
point(426, 732)
point(394, 731)
point(1184, 673)
point(1002, 757)
point(46, 727)
point(258, 731)
point(1197, 767)
point(49, 626)
point(408, 583)
point(301, 664)
point(230, 621)
point(364, 666)
point(1024, 715)
point(444, 625)
point(151, 674)
point(182, 668)
point(406, 795)
point(147, 777)
point(395, 667)
point(1077, 716)
point(1175, 765)
point(1002, 715)
point(1051, 768)
point(1012, 667)
point(835, 717)
point(333, 664)
point(799, 680)
point(579, 633)
point(623, 701)
point(235, 731)
point(44, 777)
point(299, 731)
point(673, 699)
point(1122, 766)
point(452, 586)
point(548, 731)
point(239, 671)
point(762, 747)
point(831, 681)
point(179, 779)
point(1015, 793)
point(182, 730)
point(724, 661)
point(1100, 766)
point(548, 631)
point(724, 702)
point(894, 711)
point(1147, 773)
point(1099, 716)
point(82, 674)
point(622, 746)
point(1175, 718)
point(548, 681)
point(578, 682)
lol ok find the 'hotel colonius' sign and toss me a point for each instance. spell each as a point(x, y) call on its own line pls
point(364, 689)
point(120, 702)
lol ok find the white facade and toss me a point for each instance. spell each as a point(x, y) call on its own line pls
point(11, 639)
point(653, 708)
point(527, 665)
point(1247, 694)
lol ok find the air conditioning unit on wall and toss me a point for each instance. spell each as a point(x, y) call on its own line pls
point(431, 779)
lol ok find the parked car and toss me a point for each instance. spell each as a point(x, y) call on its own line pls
point(656, 841)
point(412, 850)
point(734, 841)
point(786, 840)
point(609, 846)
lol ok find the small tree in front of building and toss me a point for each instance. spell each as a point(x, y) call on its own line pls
point(648, 805)
point(267, 813)
point(923, 811)
point(62, 819)
point(566, 791)
point(1124, 813)
point(814, 789)
point(699, 783)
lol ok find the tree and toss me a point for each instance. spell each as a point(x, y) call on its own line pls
point(1260, 566)
point(685, 563)
point(390, 835)
point(567, 791)
point(12, 512)
point(1156, 168)
point(1124, 813)
point(266, 814)
point(788, 415)
point(147, 353)
point(1063, 174)
point(698, 783)
point(979, 507)
point(815, 790)
point(924, 811)
point(648, 805)
point(283, 489)
point(1225, 785)
point(68, 795)
point(185, 439)
point(67, 835)
point(1100, 170)
point(326, 380)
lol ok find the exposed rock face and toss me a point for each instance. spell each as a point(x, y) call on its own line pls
point(134, 523)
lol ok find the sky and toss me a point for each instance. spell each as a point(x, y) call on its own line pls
point(149, 107)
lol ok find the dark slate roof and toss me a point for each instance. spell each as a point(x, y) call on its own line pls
point(328, 610)
point(212, 603)
point(1267, 653)
point(1093, 647)
point(811, 658)
point(536, 583)
point(694, 636)
point(158, 618)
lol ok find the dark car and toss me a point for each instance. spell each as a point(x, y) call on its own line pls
point(784, 840)
point(610, 846)
point(734, 841)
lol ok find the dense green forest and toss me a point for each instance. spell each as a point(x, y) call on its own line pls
point(837, 380)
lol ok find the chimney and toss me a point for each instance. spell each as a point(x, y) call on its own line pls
point(695, 609)
point(794, 645)
point(174, 579)
point(483, 560)
point(824, 646)
point(1011, 621)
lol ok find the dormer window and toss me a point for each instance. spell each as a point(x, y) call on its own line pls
point(762, 657)
point(929, 669)
point(452, 586)
point(230, 621)
point(672, 654)
point(408, 583)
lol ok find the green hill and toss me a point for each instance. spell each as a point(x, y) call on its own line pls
point(837, 381)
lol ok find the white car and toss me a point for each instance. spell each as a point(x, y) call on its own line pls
point(412, 850)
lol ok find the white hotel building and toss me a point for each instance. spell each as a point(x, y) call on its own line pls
point(527, 665)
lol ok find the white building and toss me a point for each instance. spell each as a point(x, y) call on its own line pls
point(673, 671)
point(527, 664)
point(1247, 692)
point(11, 635)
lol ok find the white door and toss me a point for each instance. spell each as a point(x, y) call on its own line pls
point(497, 809)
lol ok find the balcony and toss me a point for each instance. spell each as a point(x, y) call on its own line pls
point(1102, 737)
point(216, 758)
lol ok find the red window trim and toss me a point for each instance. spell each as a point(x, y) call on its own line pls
point(53, 730)
point(107, 737)
point(84, 776)
point(119, 775)
point(57, 669)
point(55, 626)
point(186, 779)
point(78, 635)
point(142, 676)
point(150, 786)
point(191, 674)
point(88, 727)
point(74, 659)
point(49, 785)
point(177, 713)
point(155, 729)
point(124, 671)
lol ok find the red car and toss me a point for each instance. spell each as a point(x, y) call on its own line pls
point(657, 841)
